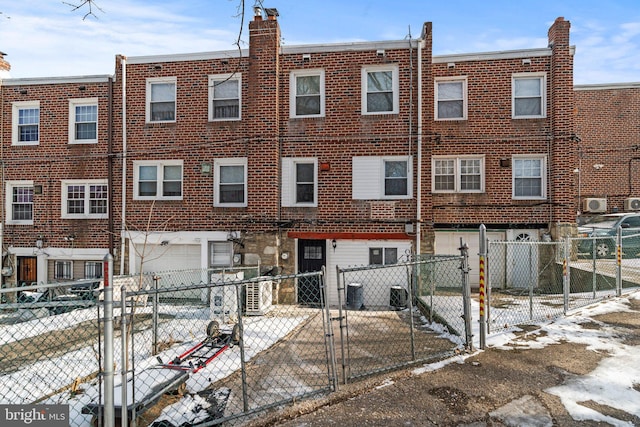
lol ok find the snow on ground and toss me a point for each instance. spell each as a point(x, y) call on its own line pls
point(611, 383)
point(604, 385)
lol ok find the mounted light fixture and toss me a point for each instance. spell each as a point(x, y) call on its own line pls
point(237, 258)
point(39, 243)
point(334, 244)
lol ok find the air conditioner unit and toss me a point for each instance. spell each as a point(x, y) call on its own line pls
point(258, 297)
point(632, 204)
point(595, 205)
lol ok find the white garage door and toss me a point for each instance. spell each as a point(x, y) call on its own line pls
point(172, 257)
point(448, 243)
point(178, 265)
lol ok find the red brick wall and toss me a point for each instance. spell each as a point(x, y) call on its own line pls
point(53, 160)
point(608, 124)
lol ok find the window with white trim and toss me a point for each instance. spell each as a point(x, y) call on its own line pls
point(377, 178)
point(25, 128)
point(380, 89)
point(451, 98)
point(63, 270)
point(299, 181)
point(306, 97)
point(220, 254)
point(225, 92)
point(383, 256)
point(83, 121)
point(462, 174)
point(157, 180)
point(529, 177)
point(93, 270)
point(161, 100)
point(529, 99)
point(84, 199)
point(230, 177)
point(19, 202)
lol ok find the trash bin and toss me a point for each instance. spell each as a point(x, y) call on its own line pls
point(398, 297)
point(355, 294)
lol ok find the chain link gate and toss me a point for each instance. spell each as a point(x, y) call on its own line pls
point(206, 353)
point(397, 315)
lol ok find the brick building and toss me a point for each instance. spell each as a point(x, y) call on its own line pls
point(294, 157)
point(608, 123)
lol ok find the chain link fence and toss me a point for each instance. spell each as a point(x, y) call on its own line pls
point(204, 347)
point(396, 315)
point(205, 353)
point(531, 282)
point(50, 345)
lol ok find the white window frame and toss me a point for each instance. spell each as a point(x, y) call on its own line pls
point(457, 173)
point(293, 94)
point(217, 78)
point(220, 254)
point(15, 127)
point(542, 78)
point(66, 265)
point(73, 103)
point(96, 266)
point(160, 165)
point(395, 87)
point(384, 251)
point(290, 183)
point(234, 161)
point(162, 80)
point(369, 170)
point(10, 185)
point(457, 79)
point(543, 175)
point(87, 200)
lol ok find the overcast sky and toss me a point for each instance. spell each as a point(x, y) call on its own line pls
point(46, 38)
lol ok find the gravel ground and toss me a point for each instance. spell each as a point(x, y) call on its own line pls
point(487, 388)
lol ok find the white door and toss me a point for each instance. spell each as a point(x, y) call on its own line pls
point(349, 253)
point(448, 243)
point(522, 259)
point(178, 265)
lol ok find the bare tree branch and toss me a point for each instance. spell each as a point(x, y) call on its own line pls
point(90, 4)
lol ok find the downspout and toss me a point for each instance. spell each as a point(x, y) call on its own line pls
point(110, 162)
point(123, 193)
point(419, 171)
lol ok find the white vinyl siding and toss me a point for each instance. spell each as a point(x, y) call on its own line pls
point(371, 179)
point(376, 292)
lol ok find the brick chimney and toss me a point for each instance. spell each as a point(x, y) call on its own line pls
point(4, 66)
point(263, 106)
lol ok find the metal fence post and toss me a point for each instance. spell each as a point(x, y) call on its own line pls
point(619, 262)
point(124, 358)
point(109, 408)
point(155, 313)
point(466, 294)
point(481, 290)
